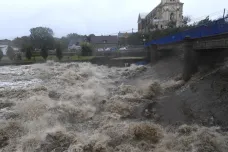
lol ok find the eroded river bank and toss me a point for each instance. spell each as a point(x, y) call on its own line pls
point(80, 107)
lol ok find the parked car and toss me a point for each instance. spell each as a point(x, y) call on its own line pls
point(100, 49)
point(123, 48)
point(107, 49)
point(113, 49)
point(74, 47)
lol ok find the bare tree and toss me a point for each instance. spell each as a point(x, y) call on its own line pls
point(186, 20)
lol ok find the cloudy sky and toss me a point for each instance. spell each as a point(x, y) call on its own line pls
point(87, 16)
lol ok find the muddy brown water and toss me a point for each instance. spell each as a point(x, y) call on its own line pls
point(80, 107)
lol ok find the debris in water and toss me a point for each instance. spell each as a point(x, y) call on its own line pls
point(119, 107)
point(147, 131)
point(153, 90)
point(186, 130)
point(6, 104)
point(54, 95)
point(57, 141)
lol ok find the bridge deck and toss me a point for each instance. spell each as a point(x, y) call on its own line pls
point(215, 28)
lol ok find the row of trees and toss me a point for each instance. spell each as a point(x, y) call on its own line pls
point(42, 39)
point(44, 36)
point(43, 51)
point(87, 51)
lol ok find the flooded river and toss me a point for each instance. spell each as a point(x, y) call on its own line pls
point(80, 107)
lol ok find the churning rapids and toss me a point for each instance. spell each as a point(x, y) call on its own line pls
point(80, 107)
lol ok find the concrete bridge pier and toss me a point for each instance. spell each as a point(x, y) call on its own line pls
point(148, 58)
point(190, 59)
point(154, 53)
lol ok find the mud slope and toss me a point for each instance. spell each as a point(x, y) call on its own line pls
point(203, 100)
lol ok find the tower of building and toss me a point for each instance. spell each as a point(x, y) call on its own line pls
point(168, 12)
point(172, 10)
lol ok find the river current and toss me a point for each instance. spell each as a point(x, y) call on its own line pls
point(80, 107)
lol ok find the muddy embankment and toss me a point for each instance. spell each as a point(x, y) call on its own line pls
point(80, 107)
point(203, 100)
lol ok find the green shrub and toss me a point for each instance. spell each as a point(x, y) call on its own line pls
point(28, 53)
point(86, 49)
point(59, 52)
point(10, 53)
point(18, 57)
point(44, 53)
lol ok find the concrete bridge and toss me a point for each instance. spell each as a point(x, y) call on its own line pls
point(207, 43)
point(195, 51)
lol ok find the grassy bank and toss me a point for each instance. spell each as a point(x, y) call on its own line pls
point(39, 59)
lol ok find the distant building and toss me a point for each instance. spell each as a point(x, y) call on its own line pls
point(104, 41)
point(5, 42)
point(75, 43)
point(168, 11)
point(142, 22)
point(124, 35)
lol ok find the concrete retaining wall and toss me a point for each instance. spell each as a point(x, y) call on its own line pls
point(118, 62)
point(108, 61)
point(127, 53)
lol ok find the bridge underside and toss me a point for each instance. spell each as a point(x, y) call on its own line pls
point(205, 51)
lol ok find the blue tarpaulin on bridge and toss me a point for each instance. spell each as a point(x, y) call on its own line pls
point(215, 28)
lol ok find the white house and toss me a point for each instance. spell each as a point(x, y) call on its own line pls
point(3, 48)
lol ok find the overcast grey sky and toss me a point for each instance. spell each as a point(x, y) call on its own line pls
point(87, 16)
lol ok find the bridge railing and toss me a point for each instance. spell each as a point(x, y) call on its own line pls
point(215, 28)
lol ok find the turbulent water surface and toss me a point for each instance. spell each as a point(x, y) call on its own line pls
point(80, 107)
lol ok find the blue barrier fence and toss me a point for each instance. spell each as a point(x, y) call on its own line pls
point(215, 28)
